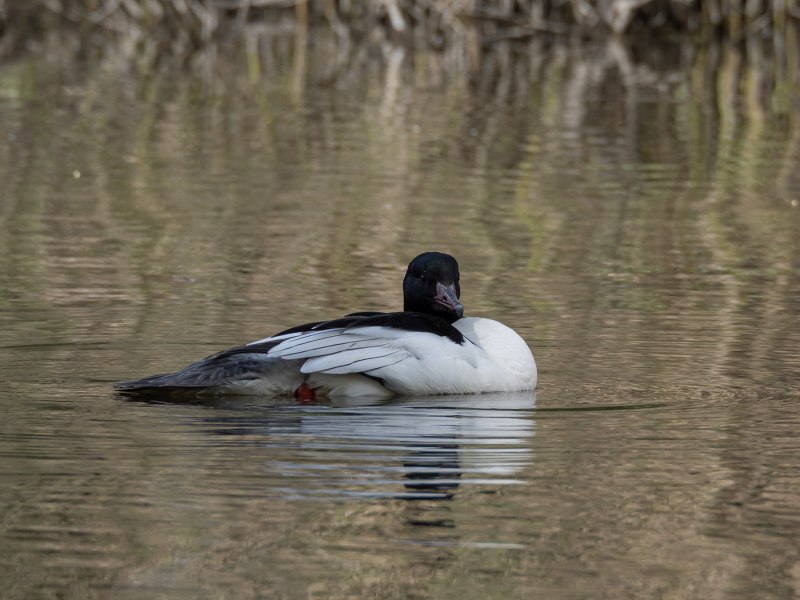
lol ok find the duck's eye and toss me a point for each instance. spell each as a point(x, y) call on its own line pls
point(422, 276)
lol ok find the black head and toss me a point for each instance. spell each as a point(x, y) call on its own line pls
point(431, 286)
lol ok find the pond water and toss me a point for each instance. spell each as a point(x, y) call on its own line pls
point(632, 214)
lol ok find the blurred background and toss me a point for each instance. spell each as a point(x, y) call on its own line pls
point(619, 181)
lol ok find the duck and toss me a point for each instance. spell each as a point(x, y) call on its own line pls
point(428, 348)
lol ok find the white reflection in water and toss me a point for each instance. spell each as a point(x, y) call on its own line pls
point(403, 448)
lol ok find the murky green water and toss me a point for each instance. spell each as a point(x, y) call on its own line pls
point(634, 215)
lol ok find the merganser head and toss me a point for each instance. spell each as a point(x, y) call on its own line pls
point(431, 286)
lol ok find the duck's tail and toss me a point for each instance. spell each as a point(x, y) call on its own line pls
point(225, 373)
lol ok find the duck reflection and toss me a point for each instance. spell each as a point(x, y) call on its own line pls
point(358, 447)
point(433, 472)
point(447, 441)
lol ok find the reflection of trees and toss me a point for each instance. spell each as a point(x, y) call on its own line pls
point(757, 505)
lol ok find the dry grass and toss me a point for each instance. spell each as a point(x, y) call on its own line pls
point(180, 27)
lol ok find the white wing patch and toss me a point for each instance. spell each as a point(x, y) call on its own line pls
point(316, 343)
point(342, 351)
point(362, 360)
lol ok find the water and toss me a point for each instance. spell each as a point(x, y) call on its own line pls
point(633, 215)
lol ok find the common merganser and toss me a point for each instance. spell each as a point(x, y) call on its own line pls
point(429, 348)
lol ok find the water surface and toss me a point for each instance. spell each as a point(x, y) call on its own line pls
point(633, 215)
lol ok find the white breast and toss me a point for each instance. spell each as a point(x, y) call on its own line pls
point(506, 363)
